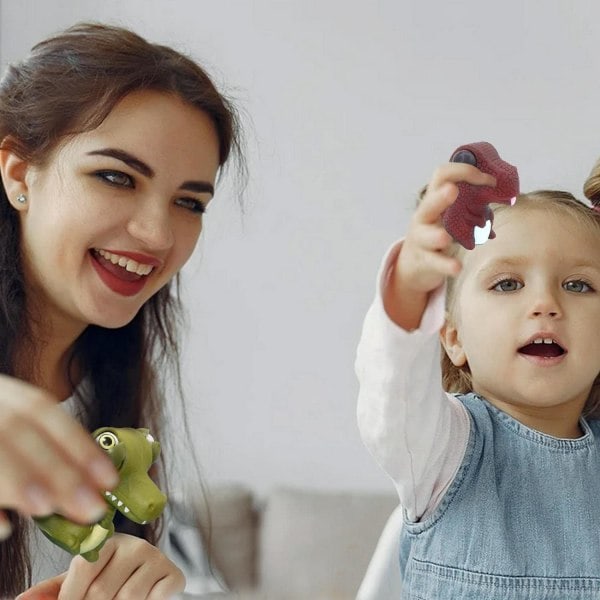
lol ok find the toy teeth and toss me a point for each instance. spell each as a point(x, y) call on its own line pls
point(469, 220)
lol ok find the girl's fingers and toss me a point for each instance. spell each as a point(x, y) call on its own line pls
point(435, 202)
point(460, 172)
point(442, 190)
point(431, 237)
point(445, 265)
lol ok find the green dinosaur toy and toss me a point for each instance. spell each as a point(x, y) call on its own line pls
point(132, 451)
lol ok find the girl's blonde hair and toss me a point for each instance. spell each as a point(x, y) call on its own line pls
point(458, 379)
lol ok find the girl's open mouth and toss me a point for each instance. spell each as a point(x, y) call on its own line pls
point(543, 351)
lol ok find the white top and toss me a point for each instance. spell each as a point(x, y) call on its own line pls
point(416, 432)
point(47, 559)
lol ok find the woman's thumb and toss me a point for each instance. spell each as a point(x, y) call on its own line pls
point(47, 590)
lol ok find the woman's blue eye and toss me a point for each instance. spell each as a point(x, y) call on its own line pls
point(577, 286)
point(191, 204)
point(507, 285)
point(116, 178)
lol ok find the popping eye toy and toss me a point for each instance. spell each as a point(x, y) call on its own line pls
point(469, 220)
point(136, 497)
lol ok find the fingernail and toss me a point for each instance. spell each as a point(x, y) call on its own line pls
point(39, 499)
point(5, 529)
point(104, 472)
point(90, 504)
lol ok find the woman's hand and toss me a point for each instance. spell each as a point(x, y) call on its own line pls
point(48, 461)
point(423, 262)
point(128, 567)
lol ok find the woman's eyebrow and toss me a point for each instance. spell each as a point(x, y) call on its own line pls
point(135, 163)
point(201, 187)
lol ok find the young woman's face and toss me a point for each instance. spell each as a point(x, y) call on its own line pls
point(539, 278)
point(117, 211)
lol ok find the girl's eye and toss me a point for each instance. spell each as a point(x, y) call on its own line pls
point(116, 178)
point(578, 286)
point(507, 285)
point(191, 204)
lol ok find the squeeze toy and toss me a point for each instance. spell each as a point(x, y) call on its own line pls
point(469, 220)
point(137, 497)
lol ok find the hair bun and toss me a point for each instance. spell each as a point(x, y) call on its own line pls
point(591, 187)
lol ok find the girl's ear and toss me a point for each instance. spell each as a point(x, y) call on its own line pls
point(13, 171)
point(452, 345)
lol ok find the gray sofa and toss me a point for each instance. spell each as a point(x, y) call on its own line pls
point(296, 544)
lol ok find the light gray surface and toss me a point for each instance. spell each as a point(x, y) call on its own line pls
point(352, 105)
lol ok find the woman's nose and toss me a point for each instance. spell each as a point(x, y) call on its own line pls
point(152, 227)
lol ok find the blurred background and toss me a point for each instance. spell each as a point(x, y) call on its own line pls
point(347, 107)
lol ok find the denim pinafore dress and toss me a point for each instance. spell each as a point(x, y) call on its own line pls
point(520, 521)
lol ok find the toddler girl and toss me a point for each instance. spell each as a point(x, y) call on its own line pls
point(495, 456)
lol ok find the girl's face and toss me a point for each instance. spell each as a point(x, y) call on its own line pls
point(117, 211)
point(539, 279)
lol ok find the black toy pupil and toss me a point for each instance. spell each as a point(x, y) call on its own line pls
point(464, 156)
point(106, 441)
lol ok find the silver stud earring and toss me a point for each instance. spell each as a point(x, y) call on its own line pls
point(21, 198)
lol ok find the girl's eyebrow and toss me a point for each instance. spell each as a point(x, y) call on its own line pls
point(496, 263)
point(518, 261)
point(140, 166)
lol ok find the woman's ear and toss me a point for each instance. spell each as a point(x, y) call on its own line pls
point(13, 170)
point(452, 344)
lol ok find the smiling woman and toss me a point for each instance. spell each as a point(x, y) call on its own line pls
point(110, 148)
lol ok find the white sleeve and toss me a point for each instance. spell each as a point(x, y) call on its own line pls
point(416, 432)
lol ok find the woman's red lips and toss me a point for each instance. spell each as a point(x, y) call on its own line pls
point(118, 279)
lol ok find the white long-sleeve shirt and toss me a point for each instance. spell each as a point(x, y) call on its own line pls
point(416, 432)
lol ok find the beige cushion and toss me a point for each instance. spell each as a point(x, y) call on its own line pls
point(231, 539)
point(317, 545)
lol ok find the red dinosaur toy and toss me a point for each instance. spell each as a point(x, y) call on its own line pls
point(471, 209)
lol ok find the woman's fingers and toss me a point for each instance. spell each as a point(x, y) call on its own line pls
point(45, 480)
point(46, 590)
point(5, 526)
point(128, 567)
point(48, 461)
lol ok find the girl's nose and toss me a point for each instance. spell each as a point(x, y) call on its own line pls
point(546, 304)
point(151, 225)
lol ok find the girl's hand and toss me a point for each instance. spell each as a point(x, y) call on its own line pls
point(128, 567)
point(423, 263)
point(48, 461)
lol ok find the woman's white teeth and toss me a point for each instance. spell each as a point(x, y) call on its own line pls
point(127, 263)
point(544, 341)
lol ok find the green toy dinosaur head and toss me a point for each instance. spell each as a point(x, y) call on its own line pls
point(132, 451)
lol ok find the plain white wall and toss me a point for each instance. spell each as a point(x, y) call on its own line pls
point(349, 107)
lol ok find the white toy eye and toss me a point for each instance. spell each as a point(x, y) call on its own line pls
point(149, 438)
point(107, 440)
point(482, 234)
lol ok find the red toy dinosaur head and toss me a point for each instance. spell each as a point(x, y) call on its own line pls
point(471, 208)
